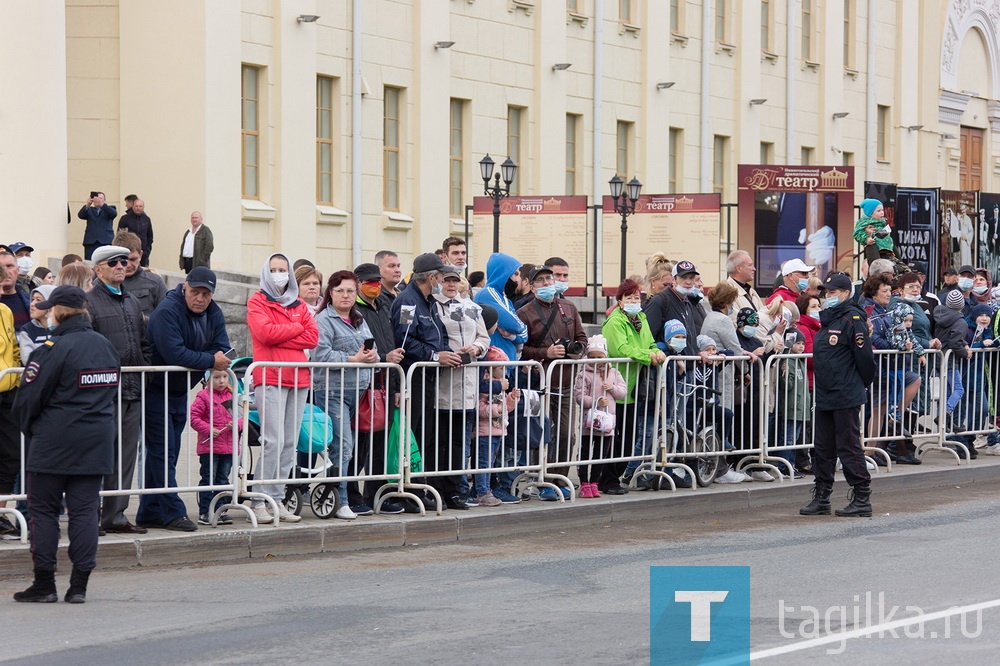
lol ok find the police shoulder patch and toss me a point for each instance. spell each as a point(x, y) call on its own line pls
point(30, 372)
point(859, 340)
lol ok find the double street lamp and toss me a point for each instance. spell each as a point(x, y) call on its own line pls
point(625, 198)
point(496, 191)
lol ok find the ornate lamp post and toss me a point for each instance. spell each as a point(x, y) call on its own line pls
point(624, 206)
point(496, 191)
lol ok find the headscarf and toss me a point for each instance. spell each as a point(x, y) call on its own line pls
point(267, 285)
point(868, 206)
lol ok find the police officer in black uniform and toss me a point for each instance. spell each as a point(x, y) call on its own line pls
point(66, 406)
point(844, 366)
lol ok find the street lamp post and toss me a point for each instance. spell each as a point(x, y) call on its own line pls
point(625, 198)
point(496, 191)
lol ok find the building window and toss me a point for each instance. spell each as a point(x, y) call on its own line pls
point(766, 152)
point(765, 25)
point(324, 140)
point(625, 11)
point(251, 131)
point(848, 158)
point(390, 149)
point(573, 6)
point(720, 20)
point(514, 114)
point(719, 164)
point(807, 28)
point(807, 155)
point(457, 169)
point(621, 149)
point(676, 145)
point(675, 16)
point(882, 134)
point(571, 153)
point(848, 35)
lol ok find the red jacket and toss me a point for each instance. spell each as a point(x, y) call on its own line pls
point(809, 328)
point(281, 334)
point(782, 292)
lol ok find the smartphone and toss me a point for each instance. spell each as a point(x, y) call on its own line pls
point(230, 353)
point(93, 194)
point(466, 358)
point(369, 344)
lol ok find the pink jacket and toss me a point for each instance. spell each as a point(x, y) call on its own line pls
point(590, 387)
point(202, 410)
point(493, 413)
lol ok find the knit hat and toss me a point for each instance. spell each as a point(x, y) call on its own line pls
point(597, 343)
point(747, 317)
point(495, 355)
point(868, 206)
point(673, 327)
point(45, 290)
point(975, 312)
point(490, 317)
point(792, 337)
point(955, 300)
point(705, 341)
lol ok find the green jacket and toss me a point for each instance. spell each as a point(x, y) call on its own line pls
point(861, 236)
point(625, 342)
point(794, 401)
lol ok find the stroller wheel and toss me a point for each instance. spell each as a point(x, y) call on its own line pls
point(323, 500)
point(293, 500)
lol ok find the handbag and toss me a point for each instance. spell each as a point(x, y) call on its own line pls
point(371, 415)
point(316, 431)
point(599, 421)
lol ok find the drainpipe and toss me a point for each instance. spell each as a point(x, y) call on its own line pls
point(870, 117)
point(356, 212)
point(598, 136)
point(790, 157)
point(706, 44)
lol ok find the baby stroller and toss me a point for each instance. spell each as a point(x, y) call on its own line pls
point(313, 459)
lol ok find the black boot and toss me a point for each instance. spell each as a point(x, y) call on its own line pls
point(42, 591)
point(860, 506)
point(820, 504)
point(77, 592)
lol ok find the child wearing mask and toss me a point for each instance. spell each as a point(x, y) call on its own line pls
point(794, 401)
point(36, 331)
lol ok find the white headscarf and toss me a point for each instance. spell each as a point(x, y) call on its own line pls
point(267, 285)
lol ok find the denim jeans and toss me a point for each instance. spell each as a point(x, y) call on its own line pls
point(488, 448)
point(471, 423)
point(645, 431)
point(215, 469)
point(792, 432)
point(955, 389)
point(340, 407)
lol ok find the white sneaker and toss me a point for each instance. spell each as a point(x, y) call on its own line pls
point(992, 450)
point(345, 513)
point(871, 465)
point(761, 475)
point(286, 516)
point(264, 516)
point(732, 476)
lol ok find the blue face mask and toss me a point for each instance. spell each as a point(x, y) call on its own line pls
point(749, 331)
point(965, 284)
point(802, 284)
point(436, 289)
point(678, 344)
point(546, 293)
point(561, 287)
point(632, 309)
point(831, 302)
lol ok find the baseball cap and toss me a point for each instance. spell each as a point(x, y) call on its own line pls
point(427, 261)
point(796, 266)
point(201, 276)
point(684, 268)
point(835, 281)
point(68, 295)
point(966, 268)
point(538, 270)
point(106, 252)
point(951, 270)
point(18, 246)
point(367, 272)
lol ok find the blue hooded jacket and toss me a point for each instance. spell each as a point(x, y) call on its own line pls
point(499, 269)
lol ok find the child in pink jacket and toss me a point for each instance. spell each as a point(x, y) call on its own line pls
point(495, 405)
point(598, 386)
point(212, 419)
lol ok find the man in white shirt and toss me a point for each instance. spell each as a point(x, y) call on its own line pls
point(197, 245)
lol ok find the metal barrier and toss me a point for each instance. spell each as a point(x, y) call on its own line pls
point(788, 427)
point(968, 402)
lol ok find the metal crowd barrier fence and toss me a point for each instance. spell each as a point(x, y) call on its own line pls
point(787, 414)
point(969, 402)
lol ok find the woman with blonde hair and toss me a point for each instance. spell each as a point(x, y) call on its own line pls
point(75, 275)
point(659, 275)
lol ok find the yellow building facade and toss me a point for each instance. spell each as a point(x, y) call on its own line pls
point(331, 129)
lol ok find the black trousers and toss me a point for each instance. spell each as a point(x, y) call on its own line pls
point(10, 443)
point(449, 451)
point(375, 443)
point(45, 492)
point(620, 445)
point(838, 435)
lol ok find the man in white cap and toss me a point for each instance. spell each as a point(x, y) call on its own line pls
point(795, 279)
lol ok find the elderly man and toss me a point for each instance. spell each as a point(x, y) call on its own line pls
point(740, 271)
point(22, 255)
point(11, 293)
point(117, 315)
point(100, 217)
point(187, 329)
point(197, 245)
point(148, 287)
point(795, 280)
point(391, 272)
point(136, 221)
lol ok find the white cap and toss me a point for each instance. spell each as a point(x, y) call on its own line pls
point(796, 266)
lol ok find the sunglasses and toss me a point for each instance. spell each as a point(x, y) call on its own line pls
point(112, 263)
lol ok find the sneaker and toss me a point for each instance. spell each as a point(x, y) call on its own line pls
point(286, 516)
point(182, 524)
point(203, 519)
point(505, 497)
point(732, 476)
point(362, 509)
point(894, 413)
point(992, 450)
point(224, 519)
point(566, 492)
point(548, 495)
point(263, 516)
point(586, 491)
point(487, 499)
point(345, 513)
point(870, 465)
point(472, 500)
point(391, 508)
point(761, 475)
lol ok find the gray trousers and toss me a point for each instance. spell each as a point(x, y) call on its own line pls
point(113, 508)
point(280, 411)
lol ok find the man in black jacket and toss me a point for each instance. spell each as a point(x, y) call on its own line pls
point(844, 367)
point(146, 286)
point(136, 221)
point(676, 302)
point(118, 316)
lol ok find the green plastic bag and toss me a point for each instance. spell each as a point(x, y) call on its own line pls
point(392, 455)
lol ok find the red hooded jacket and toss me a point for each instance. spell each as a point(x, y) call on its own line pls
point(281, 334)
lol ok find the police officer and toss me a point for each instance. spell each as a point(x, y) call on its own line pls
point(844, 366)
point(66, 406)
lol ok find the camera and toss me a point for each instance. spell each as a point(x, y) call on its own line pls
point(573, 348)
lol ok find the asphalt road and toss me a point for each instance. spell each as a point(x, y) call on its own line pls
point(559, 597)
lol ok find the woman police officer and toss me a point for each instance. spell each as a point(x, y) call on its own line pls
point(65, 405)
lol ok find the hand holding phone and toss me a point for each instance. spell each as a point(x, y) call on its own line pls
point(369, 344)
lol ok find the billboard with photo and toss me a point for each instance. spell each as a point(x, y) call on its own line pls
point(958, 238)
point(915, 229)
point(989, 231)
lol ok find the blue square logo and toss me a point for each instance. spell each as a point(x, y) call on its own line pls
point(699, 615)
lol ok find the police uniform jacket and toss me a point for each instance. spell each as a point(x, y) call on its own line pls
point(66, 403)
point(843, 361)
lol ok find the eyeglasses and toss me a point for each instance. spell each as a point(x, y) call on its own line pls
point(112, 263)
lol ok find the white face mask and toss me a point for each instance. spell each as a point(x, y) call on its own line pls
point(561, 287)
point(280, 279)
point(24, 265)
point(912, 298)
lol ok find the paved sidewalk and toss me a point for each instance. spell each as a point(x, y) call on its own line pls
point(313, 535)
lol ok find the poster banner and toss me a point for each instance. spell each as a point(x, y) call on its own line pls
point(989, 230)
point(915, 229)
point(957, 240)
point(796, 212)
point(533, 229)
point(682, 226)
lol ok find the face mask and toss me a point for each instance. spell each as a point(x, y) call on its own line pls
point(678, 344)
point(510, 289)
point(546, 293)
point(831, 302)
point(980, 290)
point(24, 265)
point(814, 314)
point(51, 323)
point(436, 289)
point(802, 284)
point(371, 292)
point(280, 279)
point(749, 331)
point(632, 309)
point(912, 298)
point(689, 291)
point(561, 287)
point(965, 284)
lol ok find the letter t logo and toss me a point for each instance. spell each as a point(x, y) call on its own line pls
point(701, 610)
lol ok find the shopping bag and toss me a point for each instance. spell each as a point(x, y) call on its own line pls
point(392, 454)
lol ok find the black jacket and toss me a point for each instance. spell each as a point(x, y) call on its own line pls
point(100, 224)
point(379, 322)
point(66, 403)
point(843, 360)
point(148, 287)
point(667, 305)
point(119, 318)
point(142, 227)
point(950, 328)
